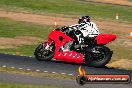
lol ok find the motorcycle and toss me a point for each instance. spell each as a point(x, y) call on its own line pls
point(63, 46)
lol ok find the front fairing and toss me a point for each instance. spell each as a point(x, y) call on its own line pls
point(103, 39)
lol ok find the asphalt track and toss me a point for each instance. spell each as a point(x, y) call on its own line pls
point(26, 62)
point(61, 83)
point(31, 63)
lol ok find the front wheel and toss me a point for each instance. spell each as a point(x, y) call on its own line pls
point(43, 54)
point(99, 56)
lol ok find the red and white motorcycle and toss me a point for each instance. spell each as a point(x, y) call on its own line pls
point(63, 47)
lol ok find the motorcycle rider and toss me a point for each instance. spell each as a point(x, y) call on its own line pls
point(84, 28)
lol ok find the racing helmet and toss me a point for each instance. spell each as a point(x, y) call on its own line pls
point(84, 19)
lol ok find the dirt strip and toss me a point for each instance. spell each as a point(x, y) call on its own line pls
point(50, 20)
point(18, 41)
point(114, 2)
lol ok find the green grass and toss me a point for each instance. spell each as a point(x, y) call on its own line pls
point(120, 52)
point(15, 85)
point(27, 50)
point(10, 28)
point(69, 7)
point(36, 74)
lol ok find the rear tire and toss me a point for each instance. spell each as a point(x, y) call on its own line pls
point(95, 61)
point(39, 53)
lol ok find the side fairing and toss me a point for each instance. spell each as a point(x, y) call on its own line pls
point(61, 39)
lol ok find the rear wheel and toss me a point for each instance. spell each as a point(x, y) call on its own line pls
point(43, 54)
point(99, 56)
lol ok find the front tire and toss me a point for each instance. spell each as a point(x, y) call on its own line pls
point(41, 54)
point(98, 59)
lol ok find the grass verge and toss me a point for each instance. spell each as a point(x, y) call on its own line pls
point(10, 28)
point(15, 85)
point(35, 73)
point(69, 7)
point(120, 52)
point(27, 50)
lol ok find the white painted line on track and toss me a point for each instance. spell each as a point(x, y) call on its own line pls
point(53, 72)
point(20, 68)
point(35, 70)
point(70, 74)
point(30, 56)
point(38, 70)
point(13, 54)
point(12, 67)
point(6, 53)
point(45, 71)
point(63, 73)
point(4, 66)
point(28, 69)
